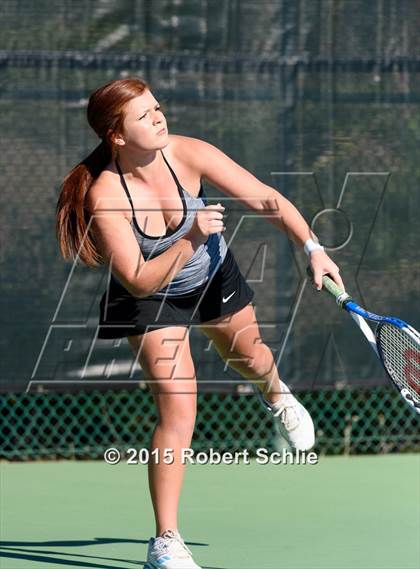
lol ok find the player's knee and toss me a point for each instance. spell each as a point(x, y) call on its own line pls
point(262, 360)
point(256, 363)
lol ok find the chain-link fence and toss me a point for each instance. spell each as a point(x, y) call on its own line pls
point(84, 424)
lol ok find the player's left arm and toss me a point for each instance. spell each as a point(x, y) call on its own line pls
point(239, 184)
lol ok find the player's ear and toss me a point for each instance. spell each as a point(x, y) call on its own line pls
point(118, 141)
point(116, 138)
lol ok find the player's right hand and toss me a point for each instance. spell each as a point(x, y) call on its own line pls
point(207, 220)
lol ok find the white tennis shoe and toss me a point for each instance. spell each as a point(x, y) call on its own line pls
point(169, 552)
point(294, 422)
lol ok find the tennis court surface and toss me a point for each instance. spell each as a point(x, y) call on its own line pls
point(343, 513)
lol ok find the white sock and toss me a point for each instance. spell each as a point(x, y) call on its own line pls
point(285, 397)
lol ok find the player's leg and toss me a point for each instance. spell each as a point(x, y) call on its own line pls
point(165, 357)
point(237, 339)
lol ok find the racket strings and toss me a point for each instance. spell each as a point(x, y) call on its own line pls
point(400, 352)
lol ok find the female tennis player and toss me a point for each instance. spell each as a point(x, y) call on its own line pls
point(137, 205)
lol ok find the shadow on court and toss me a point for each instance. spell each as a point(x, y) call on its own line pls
point(22, 550)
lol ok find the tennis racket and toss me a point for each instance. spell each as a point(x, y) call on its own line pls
point(396, 343)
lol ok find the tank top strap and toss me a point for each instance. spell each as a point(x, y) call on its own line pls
point(124, 185)
point(171, 171)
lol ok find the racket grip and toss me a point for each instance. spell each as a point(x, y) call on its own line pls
point(330, 286)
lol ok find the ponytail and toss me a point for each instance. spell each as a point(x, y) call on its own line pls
point(105, 114)
point(72, 217)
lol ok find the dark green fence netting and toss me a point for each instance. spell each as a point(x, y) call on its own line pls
point(85, 424)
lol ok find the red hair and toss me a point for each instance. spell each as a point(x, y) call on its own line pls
point(105, 114)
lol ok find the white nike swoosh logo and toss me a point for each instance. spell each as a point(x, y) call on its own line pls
point(227, 298)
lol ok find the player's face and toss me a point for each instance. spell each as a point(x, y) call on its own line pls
point(144, 124)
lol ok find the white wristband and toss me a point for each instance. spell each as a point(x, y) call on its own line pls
point(311, 245)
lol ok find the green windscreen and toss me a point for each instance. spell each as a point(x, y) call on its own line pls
point(317, 99)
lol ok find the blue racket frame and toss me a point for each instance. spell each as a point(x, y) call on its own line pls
point(360, 315)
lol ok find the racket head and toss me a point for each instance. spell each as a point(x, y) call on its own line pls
point(399, 350)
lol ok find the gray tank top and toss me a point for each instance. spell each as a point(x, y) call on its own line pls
point(206, 259)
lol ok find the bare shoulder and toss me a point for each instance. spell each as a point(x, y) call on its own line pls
point(185, 143)
point(106, 193)
point(193, 152)
point(221, 171)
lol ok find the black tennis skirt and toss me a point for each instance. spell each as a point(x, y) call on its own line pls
point(122, 314)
